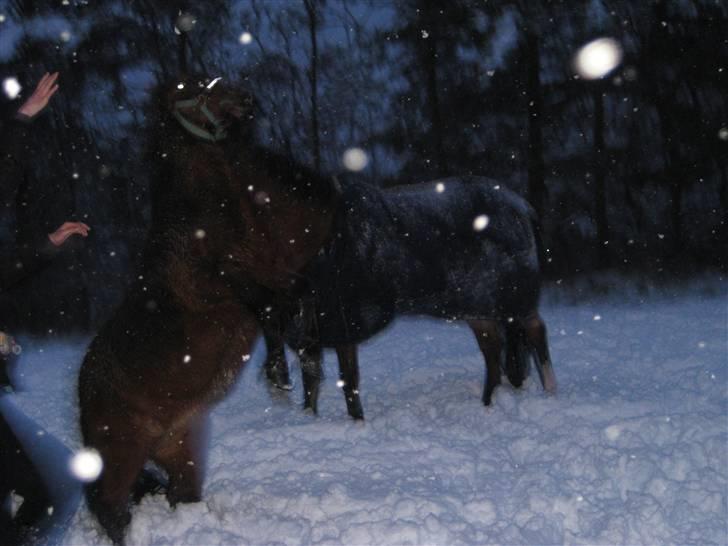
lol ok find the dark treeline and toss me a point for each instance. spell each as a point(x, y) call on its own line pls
point(627, 173)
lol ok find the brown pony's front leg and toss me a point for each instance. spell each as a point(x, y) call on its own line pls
point(108, 497)
point(490, 342)
point(311, 373)
point(182, 455)
point(349, 377)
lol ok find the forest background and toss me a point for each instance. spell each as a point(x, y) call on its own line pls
point(628, 173)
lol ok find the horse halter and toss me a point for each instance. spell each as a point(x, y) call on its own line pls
point(199, 104)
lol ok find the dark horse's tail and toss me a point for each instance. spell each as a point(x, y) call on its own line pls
point(517, 353)
point(518, 349)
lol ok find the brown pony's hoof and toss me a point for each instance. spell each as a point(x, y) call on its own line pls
point(182, 497)
point(114, 521)
point(148, 483)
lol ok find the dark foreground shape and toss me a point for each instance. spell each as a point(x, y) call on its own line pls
point(462, 248)
point(34, 466)
point(218, 253)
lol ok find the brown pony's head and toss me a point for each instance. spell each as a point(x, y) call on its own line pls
point(209, 108)
point(261, 213)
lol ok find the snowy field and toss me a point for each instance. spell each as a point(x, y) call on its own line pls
point(633, 449)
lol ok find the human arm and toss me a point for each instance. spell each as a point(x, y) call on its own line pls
point(31, 257)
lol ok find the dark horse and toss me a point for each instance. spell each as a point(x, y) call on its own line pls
point(230, 232)
point(462, 248)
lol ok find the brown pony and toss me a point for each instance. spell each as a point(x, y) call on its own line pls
point(231, 227)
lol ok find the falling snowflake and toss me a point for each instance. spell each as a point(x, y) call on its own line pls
point(598, 58)
point(86, 465)
point(245, 38)
point(12, 88)
point(425, 34)
point(355, 159)
point(185, 22)
point(481, 222)
point(723, 133)
point(440, 187)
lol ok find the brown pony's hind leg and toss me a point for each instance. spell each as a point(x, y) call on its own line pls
point(490, 342)
point(349, 376)
point(311, 373)
point(535, 331)
point(182, 455)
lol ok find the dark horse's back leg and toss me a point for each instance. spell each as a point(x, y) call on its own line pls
point(535, 333)
point(349, 377)
point(490, 341)
point(311, 374)
point(276, 366)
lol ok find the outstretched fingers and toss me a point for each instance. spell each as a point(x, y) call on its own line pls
point(67, 230)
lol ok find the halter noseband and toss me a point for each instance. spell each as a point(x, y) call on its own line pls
point(200, 103)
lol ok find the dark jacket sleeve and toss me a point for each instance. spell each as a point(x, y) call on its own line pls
point(27, 259)
point(18, 263)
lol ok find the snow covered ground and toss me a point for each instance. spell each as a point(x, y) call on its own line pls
point(633, 449)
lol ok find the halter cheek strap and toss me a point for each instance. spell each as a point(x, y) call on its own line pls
point(200, 104)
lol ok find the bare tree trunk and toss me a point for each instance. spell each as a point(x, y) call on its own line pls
point(600, 180)
point(433, 99)
point(723, 169)
point(311, 10)
point(536, 169)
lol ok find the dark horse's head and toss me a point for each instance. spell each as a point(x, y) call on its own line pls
point(264, 212)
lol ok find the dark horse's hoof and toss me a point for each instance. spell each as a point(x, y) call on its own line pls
point(310, 401)
point(277, 374)
point(353, 405)
point(313, 406)
point(488, 394)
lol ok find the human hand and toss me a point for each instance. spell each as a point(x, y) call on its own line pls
point(59, 236)
point(45, 89)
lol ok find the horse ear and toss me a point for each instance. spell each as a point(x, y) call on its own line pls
point(182, 26)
